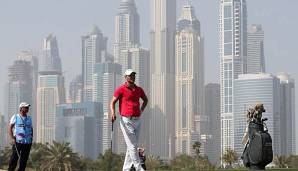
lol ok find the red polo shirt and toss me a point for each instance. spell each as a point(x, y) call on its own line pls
point(129, 100)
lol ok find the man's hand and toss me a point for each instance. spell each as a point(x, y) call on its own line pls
point(113, 117)
point(13, 141)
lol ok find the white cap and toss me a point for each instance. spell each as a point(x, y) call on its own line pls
point(24, 104)
point(129, 72)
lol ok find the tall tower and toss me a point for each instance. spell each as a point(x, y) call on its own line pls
point(255, 50)
point(232, 53)
point(50, 90)
point(189, 81)
point(19, 85)
point(287, 115)
point(106, 78)
point(28, 55)
point(162, 67)
point(127, 31)
point(94, 47)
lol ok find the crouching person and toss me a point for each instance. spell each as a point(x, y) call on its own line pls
point(20, 131)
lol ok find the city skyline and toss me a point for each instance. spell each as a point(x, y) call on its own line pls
point(97, 46)
point(259, 13)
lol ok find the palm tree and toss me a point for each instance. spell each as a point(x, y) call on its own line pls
point(229, 157)
point(196, 146)
point(36, 153)
point(59, 156)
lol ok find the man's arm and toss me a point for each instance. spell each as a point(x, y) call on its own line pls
point(10, 133)
point(144, 104)
point(112, 108)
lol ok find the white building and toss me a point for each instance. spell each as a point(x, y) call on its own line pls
point(127, 31)
point(162, 68)
point(189, 82)
point(250, 89)
point(50, 90)
point(94, 47)
point(138, 59)
point(106, 78)
point(232, 53)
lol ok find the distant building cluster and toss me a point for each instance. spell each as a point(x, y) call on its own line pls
point(182, 109)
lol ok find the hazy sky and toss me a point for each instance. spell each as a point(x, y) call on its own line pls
point(24, 24)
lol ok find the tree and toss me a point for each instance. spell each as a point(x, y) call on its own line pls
point(153, 162)
point(196, 146)
point(5, 156)
point(59, 156)
point(202, 163)
point(36, 154)
point(281, 161)
point(183, 162)
point(229, 157)
point(293, 161)
point(111, 161)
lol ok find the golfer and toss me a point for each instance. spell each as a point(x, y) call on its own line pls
point(129, 95)
point(21, 133)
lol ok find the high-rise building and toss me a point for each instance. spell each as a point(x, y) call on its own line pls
point(50, 90)
point(287, 115)
point(250, 89)
point(75, 94)
point(78, 124)
point(212, 110)
point(162, 68)
point(3, 132)
point(19, 86)
point(94, 45)
point(106, 78)
point(189, 82)
point(255, 50)
point(28, 55)
point(127, 31)
point(232, 53)
point(139, 61)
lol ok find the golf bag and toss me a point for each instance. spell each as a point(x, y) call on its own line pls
point(258, 150)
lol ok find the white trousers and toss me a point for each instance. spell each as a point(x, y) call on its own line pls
point(131, 128)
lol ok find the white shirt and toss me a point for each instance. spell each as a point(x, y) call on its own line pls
point(13, 119)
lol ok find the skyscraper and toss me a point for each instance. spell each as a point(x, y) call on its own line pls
point(139, 61)
point(189, 81)
point(28, 55)
point(19, 85)
point(212, 110)
point(75, 94)
point(50, 90)
point(106, 78)
point(287, 115)
point(250, 89)
point(127, 30)
point(94, 45)
point(162, 68)
point(3, 132)
point(232, 53)
point(255, 50)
